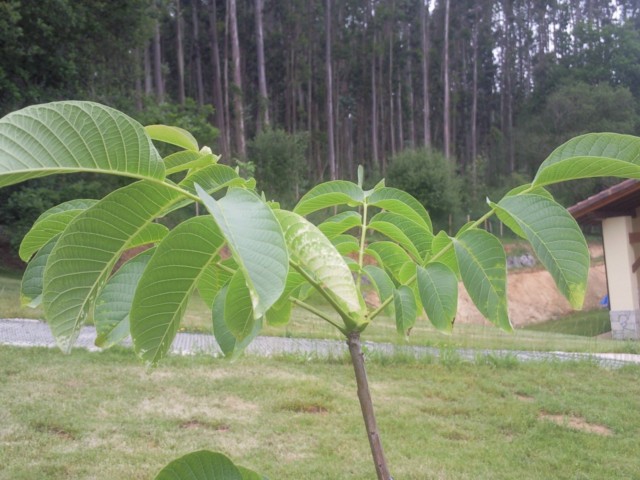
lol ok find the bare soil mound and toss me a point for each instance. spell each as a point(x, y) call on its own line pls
point(534, 297)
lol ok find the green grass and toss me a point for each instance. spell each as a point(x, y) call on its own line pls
point(587, 324)
point(103, 416)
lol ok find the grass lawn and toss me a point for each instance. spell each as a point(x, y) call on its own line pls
point(587, 324)
point(103, 416)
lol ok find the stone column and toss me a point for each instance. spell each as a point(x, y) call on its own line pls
point(623, 283)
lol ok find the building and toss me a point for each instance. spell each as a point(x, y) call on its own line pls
point(617, 209)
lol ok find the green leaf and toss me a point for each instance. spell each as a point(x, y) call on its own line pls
point(592, 155)
point(312, 251)
point(172, 135)
point(390, 256)
point(151, 233)
point(201, 465)
point(483, 268)
point(65, 137)
point(227, 342)
point(330, 194)
point(213, 178)
point(256, 242)
point(443, 252)
point(168, 282)
point(113, 304)
point(86, 252)
point(51, 223)
point(340, 223)
point(213, 278)
point(406, 311)
point(346, 244)
point(400, 202)
point(238, 311)
point(394, 233)
point(33, 277)
point(418, 234)
point(280, 313)
point(186, 160)
point(382, 283)
point(250, 474)
point(556, 239)
point(438, 288)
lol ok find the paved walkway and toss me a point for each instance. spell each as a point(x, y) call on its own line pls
point(34, 333)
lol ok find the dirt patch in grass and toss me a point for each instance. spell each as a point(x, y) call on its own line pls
point(525, 398)
point(195, 424)
point(576, 423)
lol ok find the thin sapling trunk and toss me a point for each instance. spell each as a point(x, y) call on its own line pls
point(366, 405)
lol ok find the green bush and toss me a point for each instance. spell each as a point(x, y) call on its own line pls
point(279, 159)
point(429, 177)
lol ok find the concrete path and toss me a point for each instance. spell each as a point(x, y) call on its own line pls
point(34, 333)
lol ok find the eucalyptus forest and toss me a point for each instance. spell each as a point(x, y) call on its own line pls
point(299, 91)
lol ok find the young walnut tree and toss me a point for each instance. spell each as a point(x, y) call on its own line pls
point(252, 261)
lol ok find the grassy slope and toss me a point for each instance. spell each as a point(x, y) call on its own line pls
point(102, 416)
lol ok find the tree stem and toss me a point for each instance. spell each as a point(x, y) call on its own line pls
point(366, 405)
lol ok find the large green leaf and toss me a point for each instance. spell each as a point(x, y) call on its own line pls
point(172, 135)
point(443, 252)
point(392, 232)
point(230, 346)
point(382, 283)
point(151, 233)
point(317, 256)
point(438, 288)
point(238, 311)
point(84, 255)
point(330, 194)
point(113, 304)
point(213, 278)
point(418, 233)
point(406, 311)
point(72, 136)
point(256, 242)
point(186, 160)
point(592, 155)
point(33, 277)
point(167, 283)
point(390, 256)
point(556, 239)
point(340, 223)
point(400, 202)
point(201, 465)
point(483, 268)
point(51, 223)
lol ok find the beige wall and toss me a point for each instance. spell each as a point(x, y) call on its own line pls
point(619, 256)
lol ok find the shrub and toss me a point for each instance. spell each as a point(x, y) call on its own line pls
point(429, 177)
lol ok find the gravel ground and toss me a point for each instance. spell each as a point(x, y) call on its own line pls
point(34, 333)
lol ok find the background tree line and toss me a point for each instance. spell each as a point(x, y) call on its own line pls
point(439, 96)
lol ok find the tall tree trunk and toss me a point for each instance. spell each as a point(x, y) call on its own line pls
point(157, 64)
point(392, 126)
point(218, 99)
point(426, 123)
point(263, 101)
point(410, 96)
point(179, 53)
point(238, 108)
point(474, 104)
point(148, 77)
point(446, 129)
point(331, 149)
point(508, 67)
point(198, 54)
point(375, 149)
